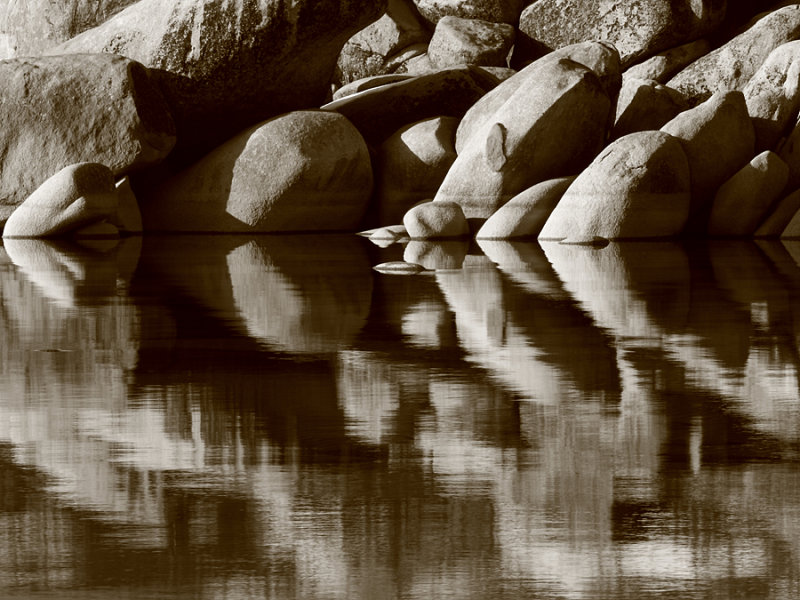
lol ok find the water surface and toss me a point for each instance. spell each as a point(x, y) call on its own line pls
point(220, 417)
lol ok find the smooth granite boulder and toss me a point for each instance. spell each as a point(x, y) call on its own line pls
point(645, 104)
point(789, 150)
point(526, 213)
point(730, 66)
point(665, 64)
point(229, 64)
point(718, 139)
point(458, 41)
point(379, 112)
point(435, 220)
point(638, 187)
point(411, 165)
point(374, 50)
point(638, 28)
point(128, 218)
point(496, 11)
point(773, 95)
point(61, 110)
point(553, 126)
point(302, 171)
point(742, 202)
point(601, 58)
point(76, 196)
point(779, 216)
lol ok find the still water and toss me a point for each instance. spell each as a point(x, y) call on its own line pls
point(238, 418)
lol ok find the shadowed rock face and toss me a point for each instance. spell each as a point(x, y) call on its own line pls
point(226, 65)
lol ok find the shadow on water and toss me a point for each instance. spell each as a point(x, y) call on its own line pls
point(201, 416)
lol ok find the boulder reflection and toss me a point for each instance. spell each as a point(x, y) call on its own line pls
point(231, 417)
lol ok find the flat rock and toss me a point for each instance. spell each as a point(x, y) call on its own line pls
point(459, 41)
point(638, 187)
point(302, 171)
point(551, 127)
point(76, 196)
point(742, 202)
point(730, 66)
point(226, 65)
point(62, 110)
point(399, 267)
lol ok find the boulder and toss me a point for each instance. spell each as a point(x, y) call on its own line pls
point(61, 110)
point(76, 196)
point(730, 66)
point(411, 165)
point(645, 104)
point(458, 41)
point(379, 112)
point(435, 220)
point(637, 28)
point(792, 229)
point(638, 187)
point(665, 64)
point(31, 27)
point(779, 216)
point(789, 151)
point(600, 58)
point(373, 50)
point(305, 170)
point(226, 65)
point(773, 95)
point(551, 127)
point(742, 202)
point(526, 213)
point(128, 218)
point(718, 139)
point(496, 11)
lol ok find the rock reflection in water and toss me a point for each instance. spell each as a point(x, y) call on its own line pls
point(268, 417)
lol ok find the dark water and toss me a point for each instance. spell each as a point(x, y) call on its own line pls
point(236, 418)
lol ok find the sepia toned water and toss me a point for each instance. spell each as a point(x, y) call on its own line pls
point(213, 417)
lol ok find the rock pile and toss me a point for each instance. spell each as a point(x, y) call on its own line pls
point(421, 119)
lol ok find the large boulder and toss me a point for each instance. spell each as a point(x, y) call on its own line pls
point(435, 220)
point(31, 27)
point(61, 110)
point(601, 58)
point(226, 65)
point(639, 29)
point(379, 112)
point(730, 66)
point(458, 41)
point(76, 196)
point(497, 11)
point(645, 104)
point(551, 127)
point(305, 170)
point(742, 202)
point(379, 48)
point(526, 213)
point(665, 64)
point(411, 165)
point(773, 95)
point(718, 139)
point(638, 187)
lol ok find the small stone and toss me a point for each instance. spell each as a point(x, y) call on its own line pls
point(399, 267)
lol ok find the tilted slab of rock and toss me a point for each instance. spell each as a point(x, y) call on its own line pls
point(379, 112)
point(718, 139)
point(497, 11)
point(61, 110)
point(76, 196)
point(458, 41)
point(773, 95)
point(526, 213)
point(780, 216)
point(645, 104)
point(731, 66)
point(302, 171)
point(229, 64)
point(601, 58)
point(638, 187)
point(31, 27)
point(638, 28)
point(664, 65)
point(551, 127)
point(789, 151)
point(742, 202)
point(370, 51)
